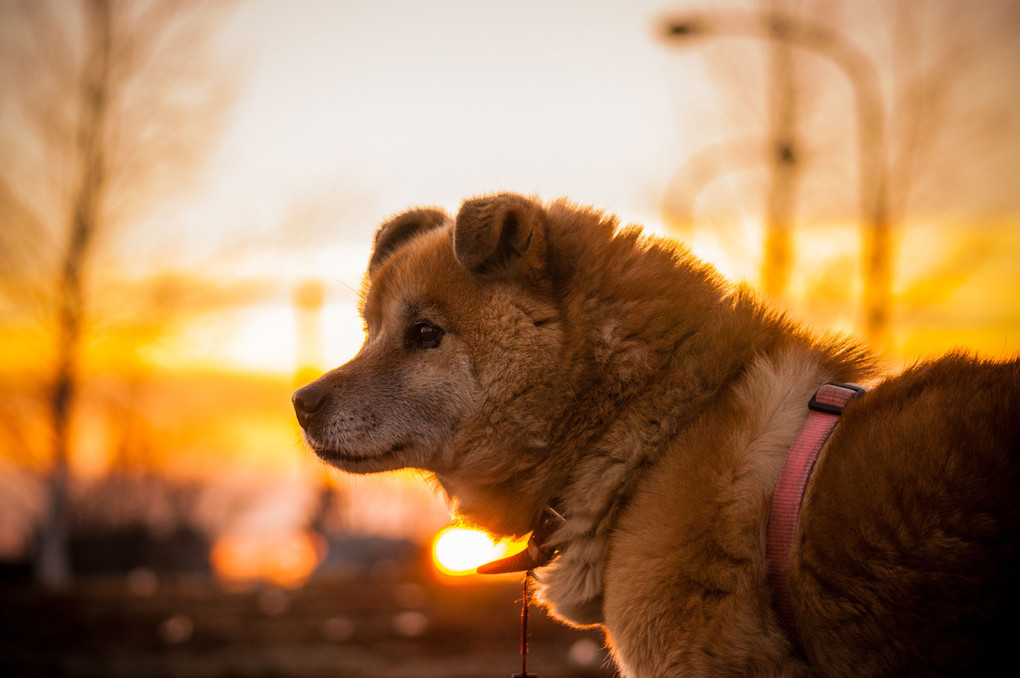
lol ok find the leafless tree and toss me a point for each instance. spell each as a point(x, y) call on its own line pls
point(107, 106)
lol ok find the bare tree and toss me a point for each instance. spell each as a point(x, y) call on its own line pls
point(106, 107)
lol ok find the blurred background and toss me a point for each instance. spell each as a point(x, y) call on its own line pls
point(188, 193)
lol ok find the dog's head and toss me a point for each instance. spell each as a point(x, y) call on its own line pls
point(455, 375)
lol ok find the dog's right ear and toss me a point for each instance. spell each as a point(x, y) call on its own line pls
point(500, 235)
point(401, 228)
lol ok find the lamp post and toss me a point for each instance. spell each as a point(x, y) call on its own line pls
point(828, 43)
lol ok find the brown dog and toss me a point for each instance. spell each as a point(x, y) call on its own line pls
point(533, 355)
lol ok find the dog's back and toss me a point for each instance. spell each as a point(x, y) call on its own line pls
point(909, 552)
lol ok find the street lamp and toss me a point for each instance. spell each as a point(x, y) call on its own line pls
point(860, 72)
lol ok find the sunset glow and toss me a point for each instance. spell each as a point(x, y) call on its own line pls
point(458, 551)
point(283, 560)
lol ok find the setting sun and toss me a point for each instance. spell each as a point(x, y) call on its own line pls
point(458, 551)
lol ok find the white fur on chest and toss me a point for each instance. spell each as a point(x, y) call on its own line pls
point(773, 394)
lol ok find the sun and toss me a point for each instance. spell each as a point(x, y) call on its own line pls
point(458, 551)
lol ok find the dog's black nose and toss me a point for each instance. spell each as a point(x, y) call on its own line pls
point(307, 401)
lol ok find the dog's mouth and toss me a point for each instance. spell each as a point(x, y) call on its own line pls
point(353, 461)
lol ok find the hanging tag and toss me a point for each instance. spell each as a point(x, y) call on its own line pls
point(524, 633)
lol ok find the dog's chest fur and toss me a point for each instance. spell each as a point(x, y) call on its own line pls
point(651, 507)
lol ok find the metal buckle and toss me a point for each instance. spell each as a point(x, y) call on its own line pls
point(829, 408)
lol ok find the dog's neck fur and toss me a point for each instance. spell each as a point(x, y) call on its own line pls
point(644, 372)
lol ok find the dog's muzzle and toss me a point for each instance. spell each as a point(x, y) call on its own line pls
point(307, 402)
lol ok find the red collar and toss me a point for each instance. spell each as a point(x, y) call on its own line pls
point(825, 408)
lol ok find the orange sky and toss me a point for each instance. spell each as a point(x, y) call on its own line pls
point(348, 112)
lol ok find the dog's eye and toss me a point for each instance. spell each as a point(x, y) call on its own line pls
point(425, 335)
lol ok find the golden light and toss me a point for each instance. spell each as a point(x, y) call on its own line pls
point(733, 251)
point(284, 560)
point(458, 551)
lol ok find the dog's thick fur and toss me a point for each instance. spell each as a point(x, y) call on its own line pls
point(528, 354)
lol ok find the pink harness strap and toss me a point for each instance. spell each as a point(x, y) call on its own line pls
point(825, 408)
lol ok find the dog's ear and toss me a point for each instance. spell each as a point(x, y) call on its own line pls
point(400, 229)
point(500, 235)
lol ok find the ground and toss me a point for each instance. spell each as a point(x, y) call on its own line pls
point(380, 625)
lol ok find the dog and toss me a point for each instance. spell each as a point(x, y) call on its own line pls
point(540, 359)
